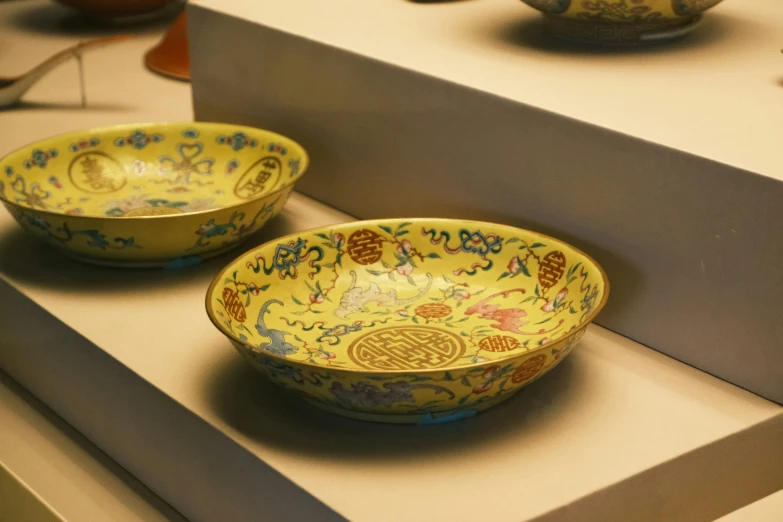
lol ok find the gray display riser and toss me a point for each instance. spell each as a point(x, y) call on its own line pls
point(692, 247)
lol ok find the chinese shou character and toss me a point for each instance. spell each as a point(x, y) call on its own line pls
point(95, 175)
point(255, 185)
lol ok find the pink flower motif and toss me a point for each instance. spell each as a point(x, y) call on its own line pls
point(327, 355)
point(482, 388)
point(490, 372)
point(543, 341)
point(401, 312)
point(404, 247)
point(549, 306)
point(561, 294)
point(316, 298)
point(405, 269)
point(479, 359)
point(461, 295)
point(513, 265)
point(339, 240)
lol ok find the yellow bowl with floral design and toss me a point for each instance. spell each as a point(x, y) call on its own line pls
point(407, 321)
point(154, 194)
point(621, 21)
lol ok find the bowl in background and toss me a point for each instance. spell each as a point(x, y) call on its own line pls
point(109, 10)
point(154, 194)
point(621, 21)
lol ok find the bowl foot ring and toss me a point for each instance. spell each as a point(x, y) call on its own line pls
point(420, 419)
point(619, 34)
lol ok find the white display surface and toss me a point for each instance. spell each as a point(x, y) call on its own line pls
point(709, 94)
point(130, 359)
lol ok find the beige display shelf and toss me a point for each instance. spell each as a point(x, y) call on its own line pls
point(660, 162)
point(617, 432)
point(51, 473)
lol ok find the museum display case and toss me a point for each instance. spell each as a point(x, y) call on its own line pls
point(470, 188)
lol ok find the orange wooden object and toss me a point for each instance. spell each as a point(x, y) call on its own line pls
point(170, 57)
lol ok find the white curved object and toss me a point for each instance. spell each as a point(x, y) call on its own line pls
point(12, 89)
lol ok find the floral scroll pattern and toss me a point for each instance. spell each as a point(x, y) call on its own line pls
point(496, 310)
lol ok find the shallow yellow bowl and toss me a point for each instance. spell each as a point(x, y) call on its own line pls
point(150, 194)
point(417, 321)
point(621, 21)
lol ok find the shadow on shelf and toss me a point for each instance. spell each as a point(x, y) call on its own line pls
point(245, 400)
point(56, 19)
point(27, 259)
point(531, 32)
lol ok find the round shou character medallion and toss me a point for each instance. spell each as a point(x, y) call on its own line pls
point(406, 348)
point(96, 172)
point(433, 310)
point(528, 369)
point(552, 269)
point(365, 247)
point(499, 343)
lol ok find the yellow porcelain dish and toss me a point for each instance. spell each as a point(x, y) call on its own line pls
point(416, 321)
point(153, 194)
point(621, 21)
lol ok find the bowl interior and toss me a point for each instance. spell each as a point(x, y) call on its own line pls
point(149, 170)
point(411, 295)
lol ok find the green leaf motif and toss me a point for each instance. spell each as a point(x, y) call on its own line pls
point(512, 240)
point(537, 245)
point(433, 255)
point(411, 281)
point(465, 381)
point(523, 269)
point(295, 300)
point(463, 399)
point(386, 229)
point(374, 272)
point(264, 288)
point(323, 236)
point(401, 233)
point(504, 275)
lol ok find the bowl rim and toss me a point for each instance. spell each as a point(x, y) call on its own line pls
point(292, 181)
point(221, 274)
